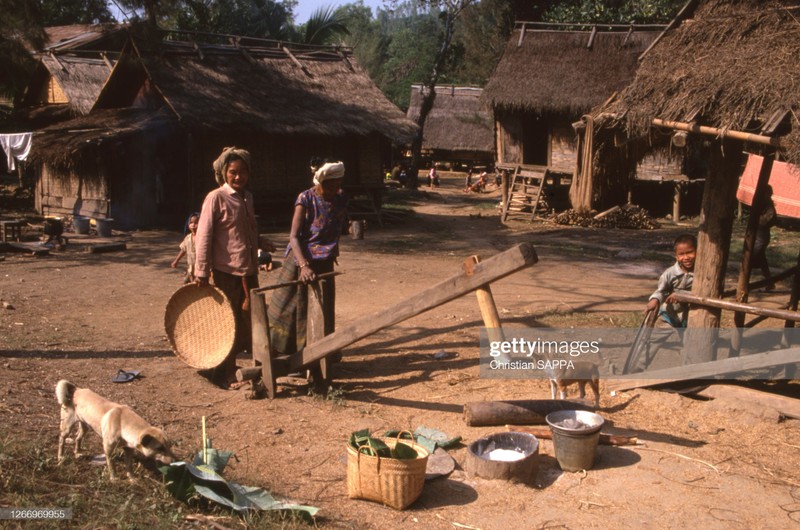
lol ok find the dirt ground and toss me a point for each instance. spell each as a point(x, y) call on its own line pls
point(83, 316)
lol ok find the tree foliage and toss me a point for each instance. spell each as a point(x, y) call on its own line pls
point(324, 27)
point(614, 11)
point(21, 30)
point(65, 12)
point(249, 18)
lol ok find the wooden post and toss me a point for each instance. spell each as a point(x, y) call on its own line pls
point(491, 318)
point(315, 330)
point(713, 246)
point(676, 201)
point(756, 208)
point(259, 328)
point(504, 186)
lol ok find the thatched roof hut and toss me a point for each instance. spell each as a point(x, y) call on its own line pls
point(458, 127)
point(86, 37)
point(284, 103)
point(548, 77)
point(731, 64)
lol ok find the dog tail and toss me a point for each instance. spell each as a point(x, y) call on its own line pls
point(64, 392)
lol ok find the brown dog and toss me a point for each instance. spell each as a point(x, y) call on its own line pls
point(583, 372)
point(118, 425)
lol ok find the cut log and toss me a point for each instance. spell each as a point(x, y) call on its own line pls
point(607, 212)
point(248, 374)
point(494, 268)
point(517, 412)
point(707, 370)
point(544, 433)
point(786, 406)
point(34, 249)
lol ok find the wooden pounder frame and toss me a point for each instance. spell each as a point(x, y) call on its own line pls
point(482, 274)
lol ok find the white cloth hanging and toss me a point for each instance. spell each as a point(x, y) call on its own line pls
point(16, 146)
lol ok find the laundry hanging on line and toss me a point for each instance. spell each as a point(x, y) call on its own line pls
point(16, 146)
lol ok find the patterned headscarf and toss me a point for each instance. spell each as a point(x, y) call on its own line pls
point(221, 163)
point(329, 171)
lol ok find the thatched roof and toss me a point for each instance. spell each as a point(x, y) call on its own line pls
point(310, 90)
point(553, 71)
point(79, 78)
point(734, 64)
point(76, 142)
point(457, 121)
point(86, 36)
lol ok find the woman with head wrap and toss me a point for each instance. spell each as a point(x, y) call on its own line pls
point(320, 217)
point(227, 244)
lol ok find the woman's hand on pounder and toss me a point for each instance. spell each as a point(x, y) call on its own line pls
point(307, 274)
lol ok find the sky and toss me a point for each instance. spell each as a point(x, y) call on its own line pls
point(306, 7)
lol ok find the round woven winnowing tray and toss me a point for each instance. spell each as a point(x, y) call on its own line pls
point(200, 325)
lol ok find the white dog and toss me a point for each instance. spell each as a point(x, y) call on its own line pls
point(118, 425)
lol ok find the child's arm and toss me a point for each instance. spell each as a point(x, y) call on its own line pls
point(661, 293)
point(181, 254)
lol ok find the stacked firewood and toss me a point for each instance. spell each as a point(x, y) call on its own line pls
point(628, 216)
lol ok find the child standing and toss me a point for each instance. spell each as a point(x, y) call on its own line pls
point(187, 249)
point(676, 278)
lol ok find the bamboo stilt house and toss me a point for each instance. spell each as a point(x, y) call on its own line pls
point(458, 128)
point(285, 103)
point(548, 77)
point(721, 82)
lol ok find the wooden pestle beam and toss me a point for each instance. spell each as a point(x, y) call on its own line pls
point(485, 272)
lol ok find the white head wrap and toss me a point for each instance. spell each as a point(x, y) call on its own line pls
point(329, 171)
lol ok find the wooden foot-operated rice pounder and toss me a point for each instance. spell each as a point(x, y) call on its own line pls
point(476, 276)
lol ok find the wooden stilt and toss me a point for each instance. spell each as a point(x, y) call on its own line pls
point(757, 207)
point(315, 330)
point(713, 246)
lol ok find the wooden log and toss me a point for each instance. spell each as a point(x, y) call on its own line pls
point(322, 276)
point(105, 247)
point(706, 370)
point(713, 245)
point(517, 412)
point(248, 374)
point(35, 249)
point(782, 314)
point(544, 433)
point(494, 268)
point(676, 201)
point(786, 406)
point(316, 330)
point(719, 133)
point(608, 212)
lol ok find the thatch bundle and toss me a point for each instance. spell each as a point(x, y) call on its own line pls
point(457, 121)
point(80, 78)
point(733, 65)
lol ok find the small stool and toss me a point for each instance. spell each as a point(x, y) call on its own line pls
point(11, 230)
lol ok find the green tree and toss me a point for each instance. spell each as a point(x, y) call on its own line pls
point(64, 12)
point(249, 18)
point(613, 11)
point(480, 39)
point(450, 11)
point(324, 26)
point(21, 31)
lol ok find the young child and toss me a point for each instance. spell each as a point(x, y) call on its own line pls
point(187, 248)
point(677, 278)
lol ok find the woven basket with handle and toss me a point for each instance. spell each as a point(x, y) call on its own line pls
point(394, 482)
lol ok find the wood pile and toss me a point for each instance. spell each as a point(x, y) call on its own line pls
point(629, 216)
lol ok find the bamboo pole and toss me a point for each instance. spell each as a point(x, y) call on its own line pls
point(715, 131)
point(782, 314)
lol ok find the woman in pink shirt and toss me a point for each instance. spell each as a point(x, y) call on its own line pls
point(227, 244)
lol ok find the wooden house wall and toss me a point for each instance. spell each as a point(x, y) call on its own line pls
point(658, 167)
point(70, 193)
point(555, 137)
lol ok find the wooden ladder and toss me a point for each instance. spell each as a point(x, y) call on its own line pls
point(524, 193)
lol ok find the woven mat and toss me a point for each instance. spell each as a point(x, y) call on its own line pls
point(200, 325)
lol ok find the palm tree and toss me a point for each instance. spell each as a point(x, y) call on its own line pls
point(324, 25)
